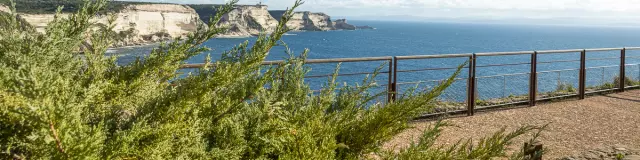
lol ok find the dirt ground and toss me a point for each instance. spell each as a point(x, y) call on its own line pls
point(575, 126)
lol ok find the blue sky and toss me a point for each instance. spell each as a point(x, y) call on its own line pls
point(612, 11)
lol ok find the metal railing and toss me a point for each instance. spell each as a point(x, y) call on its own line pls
point(392, 63)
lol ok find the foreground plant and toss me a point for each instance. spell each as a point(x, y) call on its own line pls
point(58, 103)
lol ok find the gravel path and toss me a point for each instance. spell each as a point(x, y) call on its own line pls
point(575, 125)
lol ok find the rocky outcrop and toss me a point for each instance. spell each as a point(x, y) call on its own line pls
point(159, 20)
point(243, 20)
point(155, 22)
point(306, 21)
point(249, 20)
point(341, 24)
point(140, 23)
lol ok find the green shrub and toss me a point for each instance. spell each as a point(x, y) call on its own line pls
point(628, 81)
point(565, 88)
point(56, 103)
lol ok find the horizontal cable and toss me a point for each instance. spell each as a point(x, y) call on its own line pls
point(335, 60)
point(506, 64)
point(559, 61)
point(607, 58)
point(633, 57)
point(603, 67)
point(562, 70)
point(502, 75)
point(345, 74)
point(426, 69)
point(426, 81)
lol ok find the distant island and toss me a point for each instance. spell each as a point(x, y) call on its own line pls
point(141, 23)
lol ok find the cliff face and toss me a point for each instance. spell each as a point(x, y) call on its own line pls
point(139, 24)
point(249, 21)
point(243, 21)
point(175, 20)
point(307, 21)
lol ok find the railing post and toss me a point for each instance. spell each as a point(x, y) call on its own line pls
point(471, 86)
point(583, 72)
point(533, 79)
point(391, 87)
point(622, 69)
point(395, 79)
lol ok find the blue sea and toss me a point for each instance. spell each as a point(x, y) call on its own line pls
point(422, 38)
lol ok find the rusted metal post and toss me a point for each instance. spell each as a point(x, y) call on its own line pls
point(533, 79)
point(395, 79)
point(390, 88)
point(583, 72)
point(622, 69)
point(471, 86)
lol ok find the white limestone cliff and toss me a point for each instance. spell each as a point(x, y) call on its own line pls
point(309, 21)
point(306, 21)
point(140, 24)
point(249, 21)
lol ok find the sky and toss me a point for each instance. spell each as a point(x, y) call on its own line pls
point(533, 11)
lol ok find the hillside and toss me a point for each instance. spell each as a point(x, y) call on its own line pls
point(50, 6)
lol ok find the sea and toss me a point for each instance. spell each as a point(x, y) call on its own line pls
point(498, 76)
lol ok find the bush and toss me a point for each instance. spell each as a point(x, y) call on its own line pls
point(628, 81)
point(564, 87)
point(56, 103)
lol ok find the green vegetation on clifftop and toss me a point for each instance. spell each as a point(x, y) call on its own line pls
point(50, 6)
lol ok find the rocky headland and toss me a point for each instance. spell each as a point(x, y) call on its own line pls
point(145, 23)
point(135, 24)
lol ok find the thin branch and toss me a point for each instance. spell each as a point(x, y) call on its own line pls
point(55, 136)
